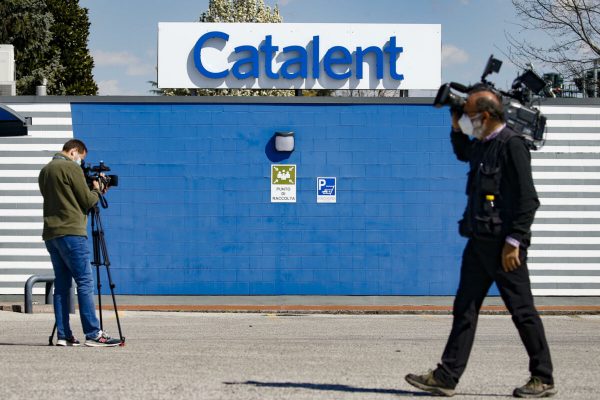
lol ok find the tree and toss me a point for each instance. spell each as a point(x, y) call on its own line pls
point(573, 26)
point(70, 31)
point(233, 11)
point(50, 40)
point(26, 25)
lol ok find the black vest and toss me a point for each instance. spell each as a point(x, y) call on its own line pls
point(484, 214)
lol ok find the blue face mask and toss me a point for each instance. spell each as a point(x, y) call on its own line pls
point(77, 161)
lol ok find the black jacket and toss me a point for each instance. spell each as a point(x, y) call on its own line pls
point(517, 200)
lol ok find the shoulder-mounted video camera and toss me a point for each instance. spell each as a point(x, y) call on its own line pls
point(519, 115)
point(96, 173)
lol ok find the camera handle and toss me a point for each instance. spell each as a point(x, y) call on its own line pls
point(103, 201)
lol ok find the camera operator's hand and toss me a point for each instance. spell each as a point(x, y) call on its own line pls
point(103, 186)
point(455, 117)
point(510, 258)
point(96, 185)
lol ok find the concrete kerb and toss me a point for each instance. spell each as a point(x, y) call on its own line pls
point(302, 305)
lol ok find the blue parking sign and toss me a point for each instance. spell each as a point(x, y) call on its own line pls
point(326, 190)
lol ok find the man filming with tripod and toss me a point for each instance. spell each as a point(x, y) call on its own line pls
point(67, 200)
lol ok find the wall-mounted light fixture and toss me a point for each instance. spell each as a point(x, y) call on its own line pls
point(284, 141)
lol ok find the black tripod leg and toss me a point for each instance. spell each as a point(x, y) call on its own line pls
point(51, 338)
point(112, 292)
point(99, 296)
point(101, 258)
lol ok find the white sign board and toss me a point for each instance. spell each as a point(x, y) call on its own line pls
point(326, 190)
point(299, 56)
point(283, 183)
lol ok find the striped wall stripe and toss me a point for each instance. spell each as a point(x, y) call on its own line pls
point(31, 265)
point(22, 251)
point(18, 186)
point(565, 162)
point(566, 240)
point(40, 107)
point(32, 173)
point(50, 121)
point(552, 148)
point(569, 110)
point(538, 175)
point(575, 123)
point(564, 279)
point(565, 292)
point(22, 199)
point(19, 290)
point(562, 268)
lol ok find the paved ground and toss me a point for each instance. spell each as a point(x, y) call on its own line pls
point(261, 356)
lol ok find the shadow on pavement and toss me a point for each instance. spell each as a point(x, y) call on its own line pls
point(350, 389)
point(330, 387)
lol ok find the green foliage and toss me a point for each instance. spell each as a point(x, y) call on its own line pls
point(26, 25)
point(70, 35)
point(50, 40)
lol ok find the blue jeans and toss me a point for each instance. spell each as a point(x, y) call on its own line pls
point(70, 260)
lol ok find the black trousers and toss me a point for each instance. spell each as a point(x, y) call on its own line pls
point(481, 266)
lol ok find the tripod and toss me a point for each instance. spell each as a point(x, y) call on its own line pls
point(100, 258)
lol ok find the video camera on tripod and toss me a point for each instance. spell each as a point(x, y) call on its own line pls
point(100, 250)
point(96, 173)
point(519, 114)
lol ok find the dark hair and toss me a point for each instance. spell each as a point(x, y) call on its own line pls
point(494, 108)
point(75, 144)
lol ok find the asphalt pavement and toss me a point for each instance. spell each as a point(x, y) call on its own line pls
point(282, 356)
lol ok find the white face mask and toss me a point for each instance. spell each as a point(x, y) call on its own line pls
point(76, 158)
point(472, 127)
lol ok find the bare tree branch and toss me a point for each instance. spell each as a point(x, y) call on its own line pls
point(573, 27)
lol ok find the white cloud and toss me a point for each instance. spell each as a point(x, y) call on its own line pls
point(453, 55)
point(112, 87)
point(109, 87)
point(134, 66)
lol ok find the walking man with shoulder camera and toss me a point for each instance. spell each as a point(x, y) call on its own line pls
point(501, 206)
point(67, 199)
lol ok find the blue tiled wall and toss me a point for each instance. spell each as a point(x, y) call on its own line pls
point(192, 213)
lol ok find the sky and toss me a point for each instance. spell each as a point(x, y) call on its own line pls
point(123, 33)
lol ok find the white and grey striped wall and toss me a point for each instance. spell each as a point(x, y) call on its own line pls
point(22, 251)
point(564, 259)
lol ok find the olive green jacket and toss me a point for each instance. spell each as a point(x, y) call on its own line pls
point(67, 198)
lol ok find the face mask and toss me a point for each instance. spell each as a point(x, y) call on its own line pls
point(472, 127)
point(76, 159)
point(477, 128)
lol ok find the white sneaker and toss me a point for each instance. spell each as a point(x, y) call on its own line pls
point(68, 342)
